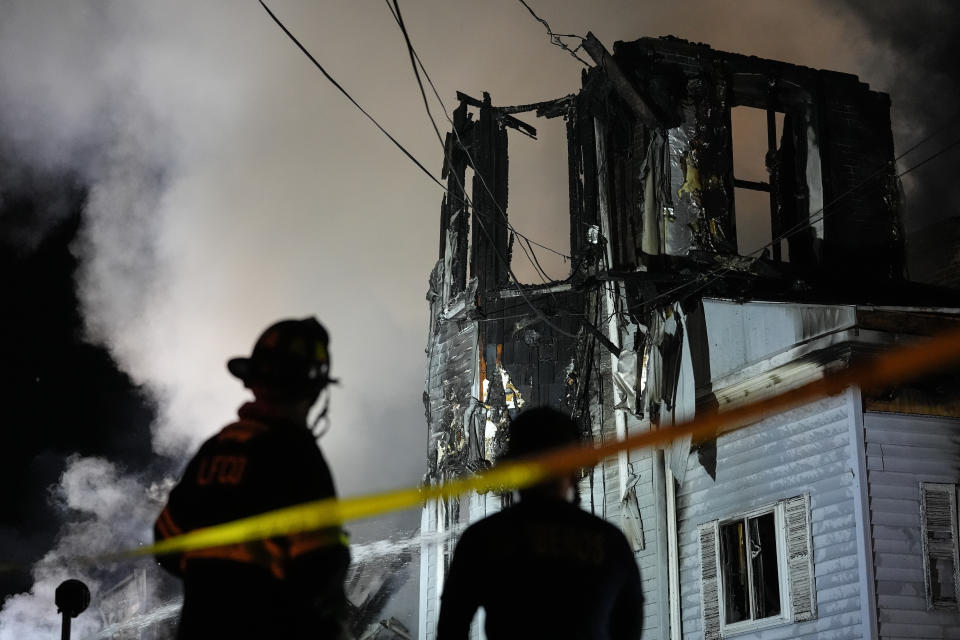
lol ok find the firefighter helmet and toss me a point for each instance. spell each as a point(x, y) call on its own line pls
point(290, 355)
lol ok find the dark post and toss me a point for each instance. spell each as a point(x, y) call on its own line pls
point(72, 598)
point(773, 168)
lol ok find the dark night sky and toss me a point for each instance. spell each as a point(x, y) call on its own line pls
point(169, 184)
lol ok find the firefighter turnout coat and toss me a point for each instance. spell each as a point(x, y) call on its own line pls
point(286, 587)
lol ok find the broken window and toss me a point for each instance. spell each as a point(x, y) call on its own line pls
point(748, 559)
point(940, 544)
point(539, 209)
point(756, 169)
point(757, 569)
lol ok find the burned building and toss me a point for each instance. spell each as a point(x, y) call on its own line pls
point(836, 518)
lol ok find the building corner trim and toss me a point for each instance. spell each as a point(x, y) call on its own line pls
point(861, 499)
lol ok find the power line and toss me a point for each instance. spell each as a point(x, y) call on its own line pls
point(348, 96)
point(413, 60)
point(456, 134)
point(556, 38)
point(395, 10)
point(938, 153)
point(372, 119)
point(519, 288)
point(951, 121)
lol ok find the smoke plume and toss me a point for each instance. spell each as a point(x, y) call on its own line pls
point(105, 509)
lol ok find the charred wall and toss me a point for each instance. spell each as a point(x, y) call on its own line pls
point(835, 151)
point(653, 211)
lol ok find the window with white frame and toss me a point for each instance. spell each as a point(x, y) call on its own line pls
point(757, 569)
point(940, 544)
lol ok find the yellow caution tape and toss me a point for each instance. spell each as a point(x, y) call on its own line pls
point(884, 370)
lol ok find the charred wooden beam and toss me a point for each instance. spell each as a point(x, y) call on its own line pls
point(507, 119)
point(750, 184)
point(544, 109)
point(490, 261)
point(620, 81)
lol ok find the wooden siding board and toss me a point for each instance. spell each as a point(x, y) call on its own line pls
point(842, 563)
point(897, 545)
point(895, 519)
point(837, 578)
point(901, 603)
point(899, 560)
point(837, 593)
point(833, 551)
point(880, 439)
point(914, 466)
point(833, 515)
point(898, 505)
point(899, 533)
point(900, 574)
point(834, 538)
point(914, 589)
point(904, 423)
point(851, 629)
point(898, 478)
point(832, 491)
point(894, 492)
point(900, 630)
point(832, 608)
point(939, 618)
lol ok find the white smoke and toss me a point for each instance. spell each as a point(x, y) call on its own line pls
point(105, 510)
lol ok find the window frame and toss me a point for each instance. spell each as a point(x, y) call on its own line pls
point(953, 492)
point(772, 185)
point(786, 605)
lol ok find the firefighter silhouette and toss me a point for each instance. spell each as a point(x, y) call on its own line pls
point(289, 587)
point(543, 567)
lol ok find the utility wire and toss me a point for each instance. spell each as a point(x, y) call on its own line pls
point(392, 139)
point(949, 122)
point(556, 38)
point(938, 153)
point(348, 96)
point(456, 133)
point(399, 18)
point(395, 10)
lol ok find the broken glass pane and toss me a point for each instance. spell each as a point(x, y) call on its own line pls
point(733, 559)
point(942, 580)
point(763, 555)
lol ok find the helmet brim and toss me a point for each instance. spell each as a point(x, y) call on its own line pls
point(240, 367)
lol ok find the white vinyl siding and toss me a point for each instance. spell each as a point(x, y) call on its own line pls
point(903, 453)
point(806, 451)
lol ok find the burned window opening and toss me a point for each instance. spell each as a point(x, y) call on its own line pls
point(749, 563)
point(758, 159)
point(757, 569)
point(538, 208)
